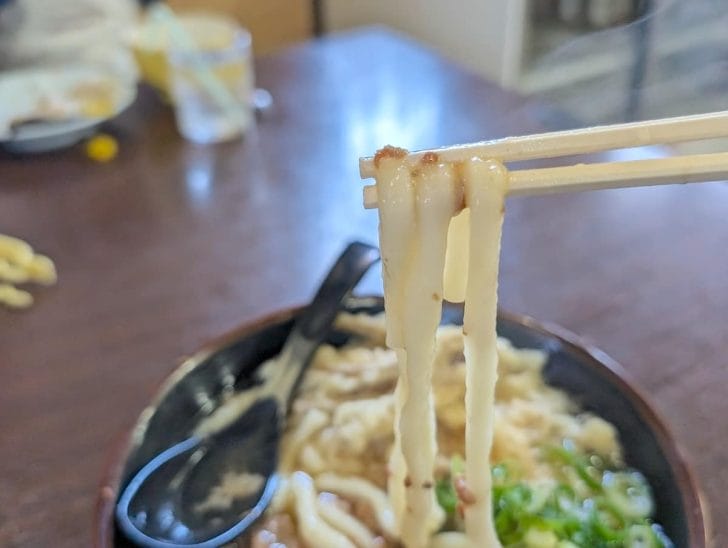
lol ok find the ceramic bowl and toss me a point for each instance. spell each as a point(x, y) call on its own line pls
point(593, 379)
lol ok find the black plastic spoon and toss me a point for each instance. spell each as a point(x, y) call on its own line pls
point(163, 506)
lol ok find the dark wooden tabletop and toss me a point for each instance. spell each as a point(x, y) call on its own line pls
point(171, 244)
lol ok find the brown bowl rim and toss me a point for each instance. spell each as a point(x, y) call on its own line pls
point(697, 515)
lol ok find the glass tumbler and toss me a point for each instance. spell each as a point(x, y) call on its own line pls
point(212, 89)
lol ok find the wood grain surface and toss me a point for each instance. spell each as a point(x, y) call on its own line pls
point(171, 244)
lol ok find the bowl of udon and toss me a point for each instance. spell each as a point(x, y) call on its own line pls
point(579, 457)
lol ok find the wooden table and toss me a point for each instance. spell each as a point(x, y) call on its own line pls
point(171, 244)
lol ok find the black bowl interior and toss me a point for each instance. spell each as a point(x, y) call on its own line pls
point(194, 391)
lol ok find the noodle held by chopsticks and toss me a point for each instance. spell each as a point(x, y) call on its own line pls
point(415, 240)
point(485, 187)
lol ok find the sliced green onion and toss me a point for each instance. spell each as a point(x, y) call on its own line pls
point(642, 536)
point(589, 506)
point(629, 492)
point(446, 496)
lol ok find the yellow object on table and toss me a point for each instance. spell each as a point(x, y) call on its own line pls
point(20, 264)
point(102, 148)
point(13, 297)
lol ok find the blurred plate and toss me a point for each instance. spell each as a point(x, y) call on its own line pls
point(45, 109)
point(588, 375)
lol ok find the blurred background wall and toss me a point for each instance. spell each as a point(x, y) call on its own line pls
point(600, 60)
point(486, 36)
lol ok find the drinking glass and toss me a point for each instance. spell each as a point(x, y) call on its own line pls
point(212, 88)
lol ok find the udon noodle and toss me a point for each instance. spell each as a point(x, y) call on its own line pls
point(336, 451)
point(371, 455)
point(416, 209)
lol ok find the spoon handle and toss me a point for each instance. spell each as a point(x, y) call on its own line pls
point(314, 323)
point(316, 320)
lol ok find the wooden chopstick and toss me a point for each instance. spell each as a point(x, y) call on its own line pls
point(689, 169)
point(579, 141)
point(693, 168)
